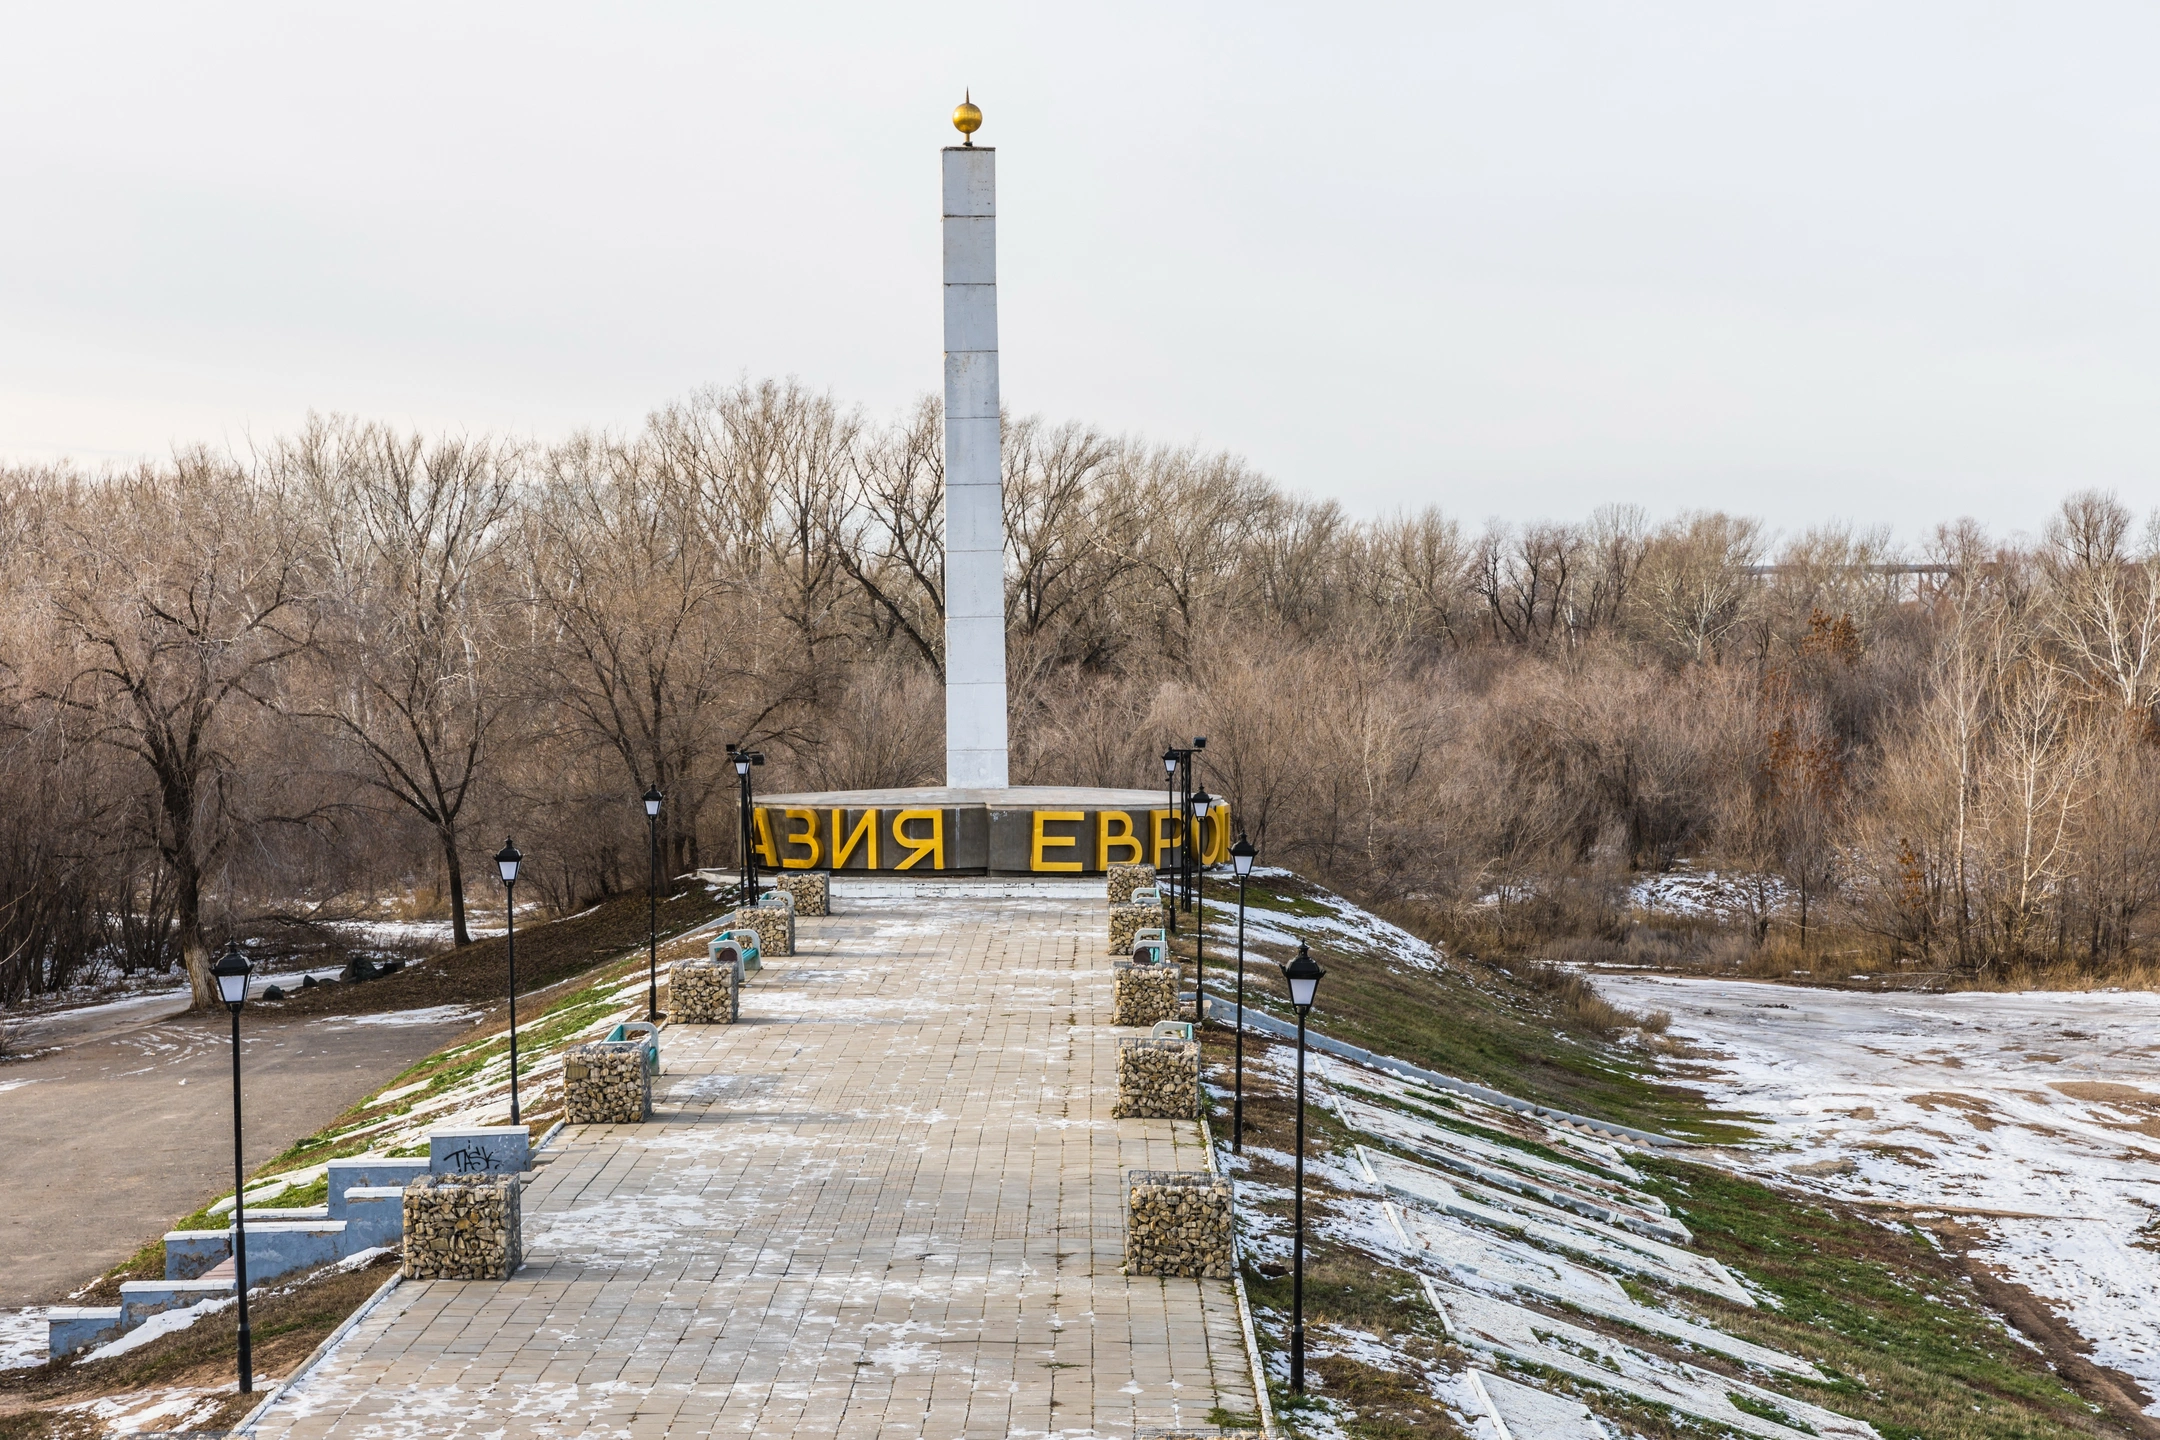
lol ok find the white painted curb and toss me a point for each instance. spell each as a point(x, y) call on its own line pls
point(1244, 1306)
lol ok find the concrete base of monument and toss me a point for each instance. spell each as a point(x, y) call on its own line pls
point(1040, 830)
point(1011, 797)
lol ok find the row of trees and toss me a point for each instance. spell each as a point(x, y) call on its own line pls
point(283, 683)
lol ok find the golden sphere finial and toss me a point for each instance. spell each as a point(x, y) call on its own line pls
point(966, 118)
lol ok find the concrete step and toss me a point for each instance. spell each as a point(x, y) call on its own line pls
point(374, 1215)
point(70, 1329)
point(279, 1247)
point(140, 1299)
point(370, 1172)
point(190, 1253)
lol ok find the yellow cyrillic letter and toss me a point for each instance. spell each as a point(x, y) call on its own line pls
point(1121, 836)
point(807, 836)
point(934, 846)
point(865, 834)
point(1166, 825)
point(1053, 842)
point(763, 843)
point(1218, 852)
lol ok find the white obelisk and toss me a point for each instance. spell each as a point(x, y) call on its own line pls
point(975, 722)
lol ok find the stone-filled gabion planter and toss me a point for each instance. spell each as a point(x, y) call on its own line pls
point(812, 890)
point(1177, 1222)
point(702, 993)
point(463, 1227)
point(775, 928)
point(782, 901)
point(1127, 919)
point(606, 1084)
point(1157, 1080)
point(1142, 994)
point(1126, 878)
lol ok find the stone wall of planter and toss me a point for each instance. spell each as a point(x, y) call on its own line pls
point(1177, 1222)
point(702, 993)
point(463, 1227)
point(1157, 1080)
point(1142, 994)
point(775, 928)
point(606, 1084)
point(1127, 920)
point(812, 890)
point(1124, 879)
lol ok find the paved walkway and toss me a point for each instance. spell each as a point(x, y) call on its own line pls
point(888, 1203)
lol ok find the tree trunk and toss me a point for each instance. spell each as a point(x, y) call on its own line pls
point(454, 868)
point(194, 951)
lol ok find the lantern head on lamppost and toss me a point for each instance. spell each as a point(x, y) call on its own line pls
point(653, 797)
point(1241, 856)
point(1303, 975)
point(507, 861)
point(231, 972)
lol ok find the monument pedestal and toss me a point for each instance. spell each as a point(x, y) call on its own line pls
point(963, 830)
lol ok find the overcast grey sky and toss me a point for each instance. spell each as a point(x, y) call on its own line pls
point(1883, 262)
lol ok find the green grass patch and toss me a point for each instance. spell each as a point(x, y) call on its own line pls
point(1910, 1347)
point(1469, 1019)
point(1465, 1127)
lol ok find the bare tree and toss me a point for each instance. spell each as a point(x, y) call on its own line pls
point(1183, 523)
point(179, 597)
point(1695, 580)
point(655, 647)
point(1057, 532)
point(406, 637)
point(2107, 610)
point(1526, 577)
point(891, 538)
point(777, 464)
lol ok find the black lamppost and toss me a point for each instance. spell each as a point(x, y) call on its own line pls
point(653, 797)
point(1302, 975)
point(1189, 853)
point(1178, 758)
point(1201, 801)
point(506, 861)
point(232, 971)
point(1170, 769)
point(743, 760)
point(1241, 858)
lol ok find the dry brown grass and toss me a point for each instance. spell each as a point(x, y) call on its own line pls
point(287, 1322)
